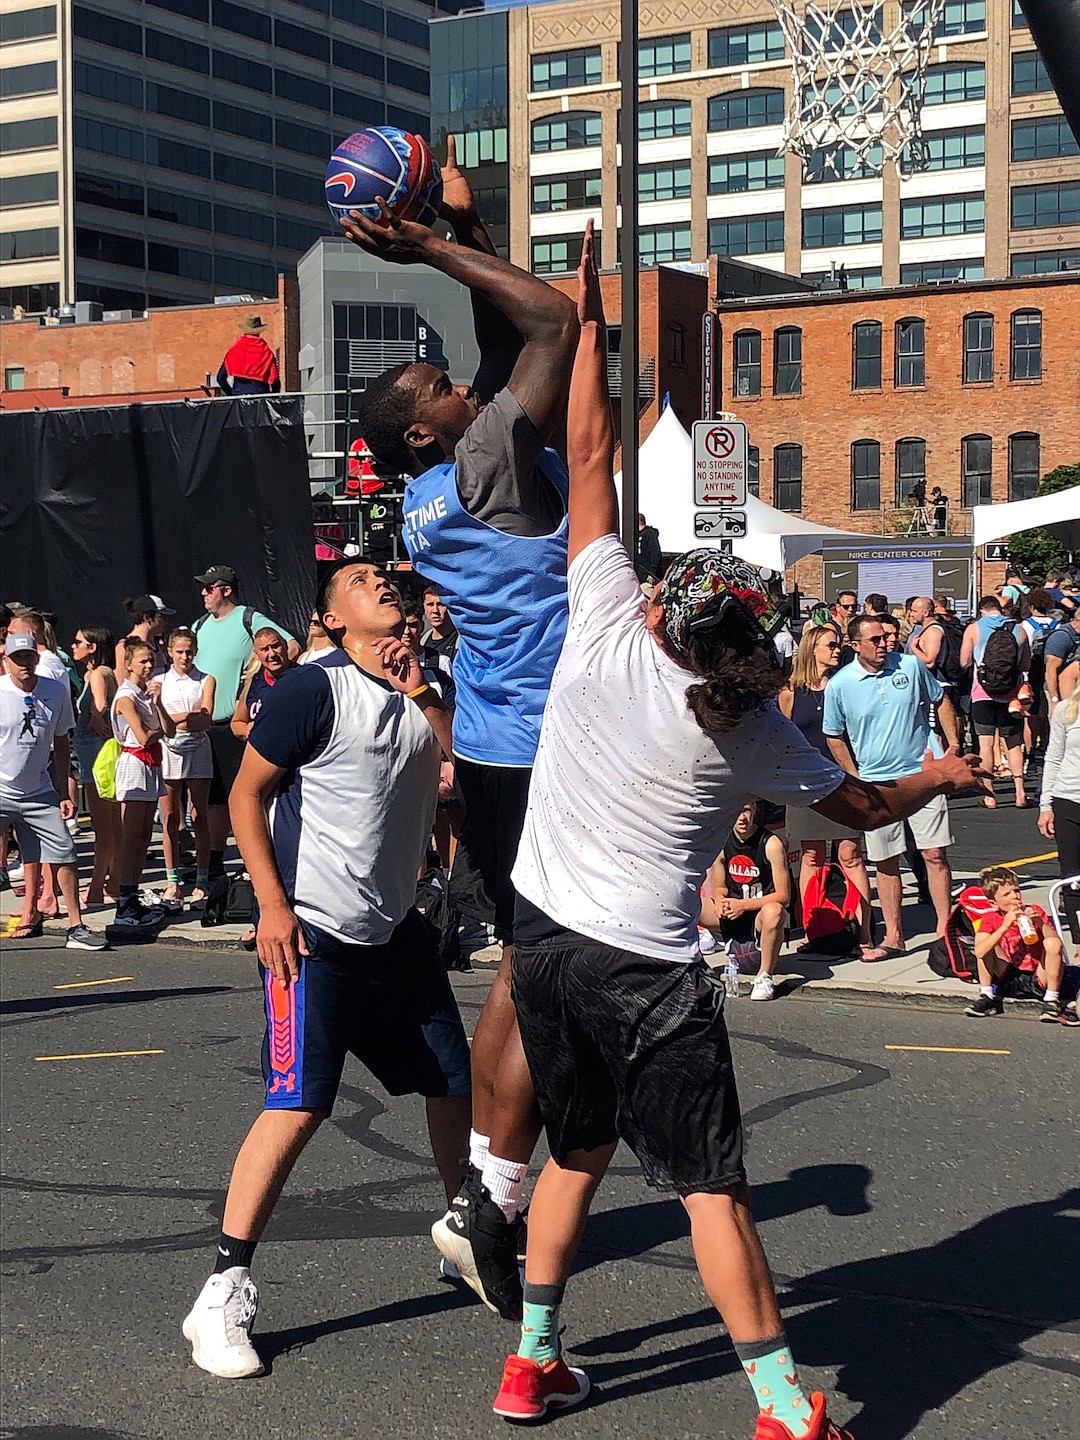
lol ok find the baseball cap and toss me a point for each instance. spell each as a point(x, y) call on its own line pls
point(217, 575)
point(20, 644)
point(143, 604)
point(704, 586)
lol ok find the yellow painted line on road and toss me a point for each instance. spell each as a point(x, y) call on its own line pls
point(100, 1055)
point(948, 1050)
point(82, 984)
point(1031, 859)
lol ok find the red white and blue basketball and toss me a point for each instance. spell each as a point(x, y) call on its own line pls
point(383, 160)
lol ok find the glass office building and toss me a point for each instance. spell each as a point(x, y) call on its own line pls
point(164, 152)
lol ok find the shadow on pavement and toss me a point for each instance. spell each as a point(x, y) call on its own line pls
point(39, 1003)
point(273, 1343)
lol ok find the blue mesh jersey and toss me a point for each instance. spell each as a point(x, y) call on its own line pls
point(507, 596)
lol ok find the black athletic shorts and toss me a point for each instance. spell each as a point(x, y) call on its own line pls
point(228, 752)
point(627, 1046)
point(389, 1005)
point(990, 715)
point(494, 797)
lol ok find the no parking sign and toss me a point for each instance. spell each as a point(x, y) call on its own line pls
point(719, 462)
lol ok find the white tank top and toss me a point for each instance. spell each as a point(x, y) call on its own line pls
point(180, 694)
point(143, 704)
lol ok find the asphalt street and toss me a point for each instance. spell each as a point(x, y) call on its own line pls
point(919, 1207)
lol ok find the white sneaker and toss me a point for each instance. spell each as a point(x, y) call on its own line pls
point(219, 1325)
point(762, 988)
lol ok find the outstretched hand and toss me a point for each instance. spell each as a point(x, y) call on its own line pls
point(402, 241)
point(458, 201)
point(590, 301)
point(400, 662)
point(960, 773)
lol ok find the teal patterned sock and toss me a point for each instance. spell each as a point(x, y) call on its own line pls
point(770, 1369)
point(540, 1323)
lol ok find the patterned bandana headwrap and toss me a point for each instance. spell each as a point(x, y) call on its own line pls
point(700, 588)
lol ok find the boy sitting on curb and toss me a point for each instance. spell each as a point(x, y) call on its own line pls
point(1018, 953)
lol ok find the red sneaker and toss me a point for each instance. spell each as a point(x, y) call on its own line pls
point(821, 1427)
point(529, 1389)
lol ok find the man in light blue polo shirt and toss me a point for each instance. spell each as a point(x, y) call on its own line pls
point(877, 723)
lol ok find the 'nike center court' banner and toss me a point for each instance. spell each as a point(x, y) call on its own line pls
point(899, 568)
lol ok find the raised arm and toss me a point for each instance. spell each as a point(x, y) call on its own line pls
point(543, 317)
point(590, 434)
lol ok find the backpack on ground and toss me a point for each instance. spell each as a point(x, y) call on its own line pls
point(948, 661)
point(433, 902)
point(952, 954)
point(831, 908)
point(229, 901)
point(999, 668)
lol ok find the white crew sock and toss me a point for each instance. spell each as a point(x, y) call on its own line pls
point(504, 1180)
point(987, 990)
point(1052, 995)
point(478, 1149)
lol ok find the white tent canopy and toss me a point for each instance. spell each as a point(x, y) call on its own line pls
point(666, 498)
point(1055, 512)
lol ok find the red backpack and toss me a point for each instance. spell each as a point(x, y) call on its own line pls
point(952, 955)
point(831, 908)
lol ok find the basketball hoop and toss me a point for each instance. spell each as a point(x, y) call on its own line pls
point(858, 86)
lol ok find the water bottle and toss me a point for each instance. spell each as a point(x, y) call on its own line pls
point(1028, 932)
point(731, 980)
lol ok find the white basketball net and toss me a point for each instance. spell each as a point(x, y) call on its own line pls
point(858, 86)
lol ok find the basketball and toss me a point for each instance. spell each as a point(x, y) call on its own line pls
point(383, 160)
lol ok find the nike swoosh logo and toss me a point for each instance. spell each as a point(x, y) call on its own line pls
point(948, 572)
point(226, 1253)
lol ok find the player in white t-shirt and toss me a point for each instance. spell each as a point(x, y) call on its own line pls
point(621, 1021)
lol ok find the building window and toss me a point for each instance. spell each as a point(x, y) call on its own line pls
point(301, 40)
point(566, 132)
point(1023, 466)
point(838, 29)
point(28, 135)
point(745, 45)
point(302, 138)
point(28, 24)
point(787, 361)
point(841, 162)
point(868, 278)
point(1029, 75)
point(41, 189)
point(1035, 207)
point(924, 219)
point(753, 470)
point(866, 355)
point(111, 194)
point(107, 84)
point(978, 349)
point(747, 235)
point(948, 150)
point(300, 89)
point(941, 270)
point(910, 352)
point(1025, 349)
point(246, 222)
point(188, 56)
point(573, 192)
point(664, 182)
point(664, 121)
point(735, 174)
point(662, 244)
point(677, 331)
point(866, 475)
point(481, 147)
point(108, 139)
point(567, 69)
point(178, 209)
point(126, 250)
point(179, 104)
point(107, 30)
point(37, 79)
point(355, 58)
point(228, 170)
point(787, 477)
point(950, 84)
point(242, 21)
point(841, 225)
point(1019, 19)
point(958, 17)
point(746, 109)
point(910, 467)
point(1044, 262)
point(14, 377)
point(746, 348)
point(977, 451)
point(1046, 139)
point(251, 124)
point(666, 55)
point(555, 254)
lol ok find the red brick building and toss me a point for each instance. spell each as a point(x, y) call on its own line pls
point(158, 355)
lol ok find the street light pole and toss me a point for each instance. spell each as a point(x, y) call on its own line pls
point(628, 197)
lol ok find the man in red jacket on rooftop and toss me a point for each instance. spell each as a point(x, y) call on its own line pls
point(249, 367)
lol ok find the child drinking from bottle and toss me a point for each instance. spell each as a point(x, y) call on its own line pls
point(1018, 953)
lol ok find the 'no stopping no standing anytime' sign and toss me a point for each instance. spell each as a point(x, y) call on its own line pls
point(719, 462)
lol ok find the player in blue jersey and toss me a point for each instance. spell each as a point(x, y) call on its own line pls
point(347, 963)
point(485, 520)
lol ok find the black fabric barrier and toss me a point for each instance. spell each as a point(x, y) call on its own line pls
point(99, 504)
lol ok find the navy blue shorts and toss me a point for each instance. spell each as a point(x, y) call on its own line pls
point(389, 1005)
